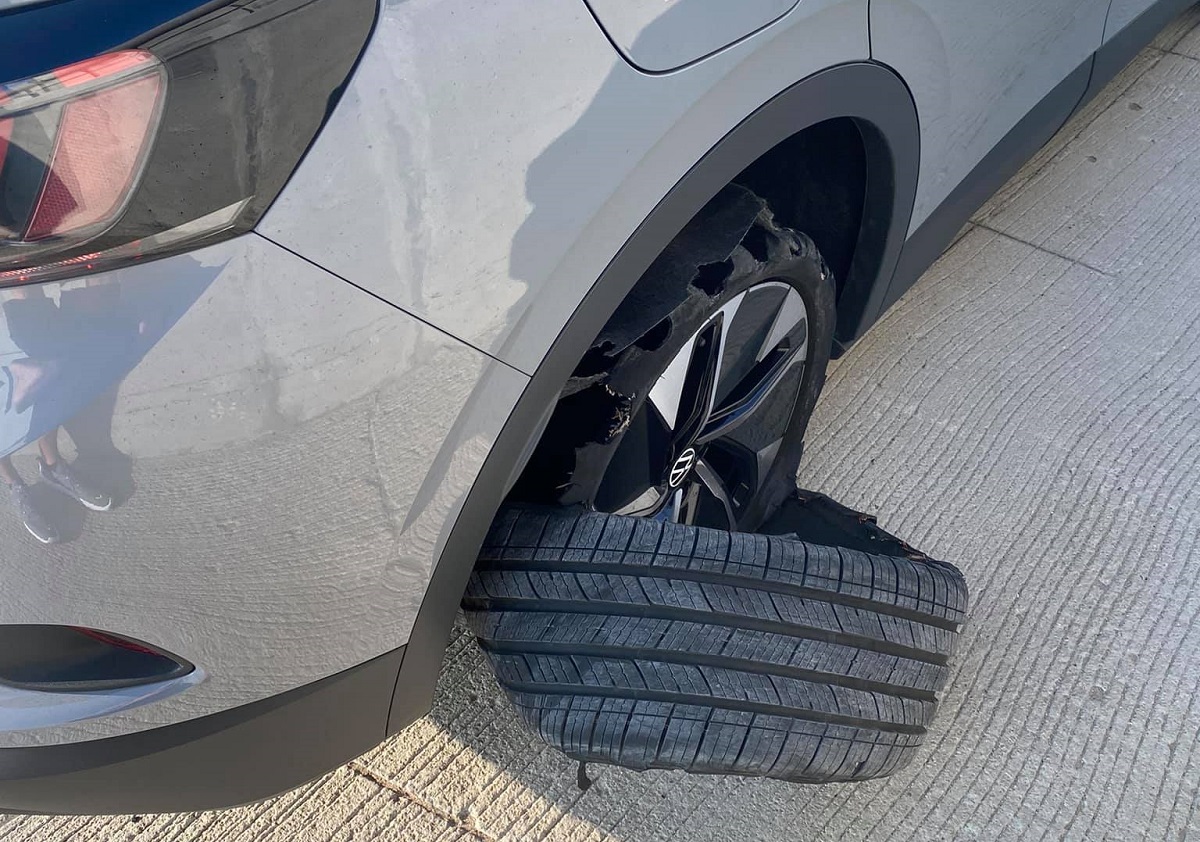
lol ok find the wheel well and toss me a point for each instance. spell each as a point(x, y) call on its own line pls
point(887, 120)
point(816, 182)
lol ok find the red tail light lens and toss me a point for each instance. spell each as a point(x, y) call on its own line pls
point(74, 144)
point(180, 143)
point(96, 159)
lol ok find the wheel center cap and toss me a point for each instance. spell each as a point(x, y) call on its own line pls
point(682, 467)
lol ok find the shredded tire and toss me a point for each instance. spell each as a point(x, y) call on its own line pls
point(652, 645)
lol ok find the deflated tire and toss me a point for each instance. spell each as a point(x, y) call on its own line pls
point(653, 645)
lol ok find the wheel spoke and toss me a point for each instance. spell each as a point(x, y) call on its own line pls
point(689, 504)
point(754, 394)
point(791, 314)
point(687, 389)
point(699, 385)
point(716, 487)
point(765, 458)
point(648, 502)
point(671, 512)
point(668, 390)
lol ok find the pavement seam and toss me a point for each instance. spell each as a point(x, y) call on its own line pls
point(1173, 52)
point(1037, 164)
point(410, 796)
point(1043, 249)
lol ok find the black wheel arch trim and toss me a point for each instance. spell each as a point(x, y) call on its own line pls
point(880, 104)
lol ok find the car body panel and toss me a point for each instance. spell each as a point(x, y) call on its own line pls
point(1121, 13)
point(659, 37)
point(495, 234)
point(288, 454)
point(975, 68)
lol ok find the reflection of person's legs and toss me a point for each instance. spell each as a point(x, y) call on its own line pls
point(48, 445)
point(35, 521)
point(8, 472)
point(96, 454)
point(59, 475)
point(91, 429)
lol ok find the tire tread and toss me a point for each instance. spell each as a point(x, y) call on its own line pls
point(656, 645)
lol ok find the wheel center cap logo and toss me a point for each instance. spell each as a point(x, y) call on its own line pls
point(682, 467)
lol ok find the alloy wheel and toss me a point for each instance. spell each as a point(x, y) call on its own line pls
point(704, 440)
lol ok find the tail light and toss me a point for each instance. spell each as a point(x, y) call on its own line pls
point(179, 142)
point(72, 146)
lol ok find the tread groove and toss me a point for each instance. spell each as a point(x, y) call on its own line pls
point(727, 579)
point(664, 612)
point(721, 703)
point(501, 647)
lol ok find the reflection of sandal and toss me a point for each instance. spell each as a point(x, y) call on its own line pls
point(29, 377)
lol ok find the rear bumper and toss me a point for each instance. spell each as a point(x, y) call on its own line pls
point(286, 456)
point(240, 755)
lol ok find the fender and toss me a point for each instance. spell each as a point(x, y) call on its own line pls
point(881, 106)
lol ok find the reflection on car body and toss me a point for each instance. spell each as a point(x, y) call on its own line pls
point(63, 360)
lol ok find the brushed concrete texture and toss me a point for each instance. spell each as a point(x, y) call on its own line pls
point(1030, 410)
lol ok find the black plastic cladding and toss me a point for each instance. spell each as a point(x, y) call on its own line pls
point(250, 86)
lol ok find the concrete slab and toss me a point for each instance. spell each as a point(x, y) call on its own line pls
point(1120, 194)
point(1178, 29)
point(1181, 36)
point(1030, 410)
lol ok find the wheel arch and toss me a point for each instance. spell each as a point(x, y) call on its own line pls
point(881, 107)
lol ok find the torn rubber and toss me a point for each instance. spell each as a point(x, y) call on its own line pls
point(583, 422)
point(817, 519)
point(732, 241)
point(710, 238)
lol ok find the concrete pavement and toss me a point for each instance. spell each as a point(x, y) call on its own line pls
point(1031, 411)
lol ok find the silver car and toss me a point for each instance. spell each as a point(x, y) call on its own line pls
point(323, 319)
